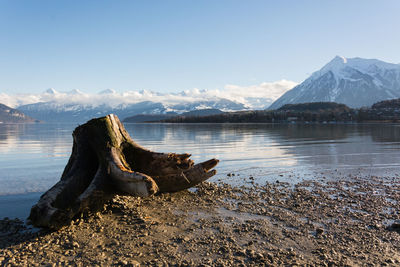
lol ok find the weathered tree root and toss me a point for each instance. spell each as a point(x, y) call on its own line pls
point(105, 161)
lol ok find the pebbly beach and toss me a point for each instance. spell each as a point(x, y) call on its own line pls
point(343, 222)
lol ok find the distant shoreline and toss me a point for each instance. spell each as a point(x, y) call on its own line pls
point(272, 123)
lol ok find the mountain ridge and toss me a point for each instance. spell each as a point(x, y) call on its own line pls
point(355, 82)
point(162, 117)
point(11, 115)
point(57, 112)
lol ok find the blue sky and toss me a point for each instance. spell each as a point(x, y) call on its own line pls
point(169, 46)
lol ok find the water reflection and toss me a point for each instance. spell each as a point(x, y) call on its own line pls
point(36, 138)
point(32, 157)
point(268, 149)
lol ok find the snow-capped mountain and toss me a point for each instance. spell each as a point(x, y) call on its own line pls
point(78, 106)
point(108, 91)
point(231, 97)
point(355, 82)
point(60, 112)
point(77, 112)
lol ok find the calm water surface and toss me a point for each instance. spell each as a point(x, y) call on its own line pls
point(32, 157)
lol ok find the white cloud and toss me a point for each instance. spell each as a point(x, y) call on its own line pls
point(254, 96)
point(18, 99)
point(257, 95)
point(271, 90)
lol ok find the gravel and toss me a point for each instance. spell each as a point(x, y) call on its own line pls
point(346, 222)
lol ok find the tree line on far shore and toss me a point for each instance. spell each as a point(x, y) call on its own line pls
point(316, 112)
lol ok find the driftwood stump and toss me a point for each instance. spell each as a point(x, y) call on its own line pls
point(105, 161)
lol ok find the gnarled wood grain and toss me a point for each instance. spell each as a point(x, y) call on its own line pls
point(105, 161)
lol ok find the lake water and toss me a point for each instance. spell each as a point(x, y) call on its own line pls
point(33, 156)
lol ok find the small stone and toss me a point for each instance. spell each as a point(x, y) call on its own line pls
point(123, 262)
point(250, 252)
point(389, 261)
point(396, 226)
point(319, 231)
point(115, 242)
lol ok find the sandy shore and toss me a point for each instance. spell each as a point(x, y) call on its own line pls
point(348, 222)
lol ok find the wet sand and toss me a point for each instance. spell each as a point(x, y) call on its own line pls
point(346, 222)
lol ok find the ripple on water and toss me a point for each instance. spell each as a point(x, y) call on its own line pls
point(32, 157)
